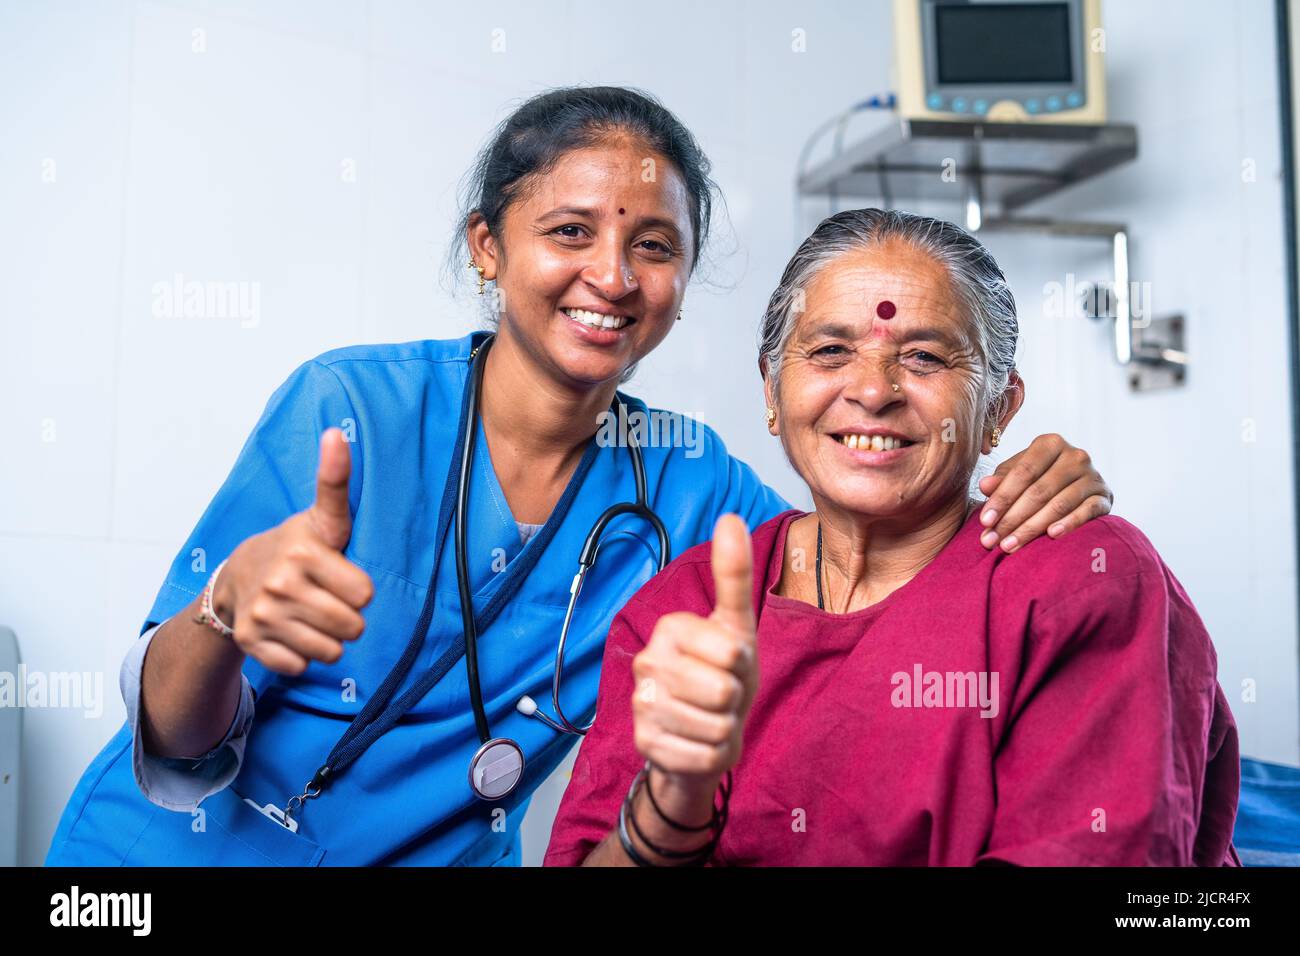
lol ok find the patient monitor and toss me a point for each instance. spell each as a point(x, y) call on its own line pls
point(1005, 61)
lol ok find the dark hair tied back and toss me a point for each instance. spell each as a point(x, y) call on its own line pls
point(546, 127)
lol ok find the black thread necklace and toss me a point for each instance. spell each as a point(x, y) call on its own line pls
point(821, 605)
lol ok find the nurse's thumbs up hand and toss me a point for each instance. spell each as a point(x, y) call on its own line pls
point(697, 676)
point(289, 593)
point(331, 514)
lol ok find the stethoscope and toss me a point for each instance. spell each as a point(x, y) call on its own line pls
point(498, 765)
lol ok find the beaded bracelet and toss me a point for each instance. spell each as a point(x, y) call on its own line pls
point(696, 857)
point(206, 614)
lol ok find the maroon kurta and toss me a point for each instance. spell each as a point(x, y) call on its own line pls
point(1058, 706)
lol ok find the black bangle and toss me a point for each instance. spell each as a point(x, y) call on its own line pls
point(697, 857)
point(623, 838)
point(649, 792)
point(687, 857)
point(624, 812)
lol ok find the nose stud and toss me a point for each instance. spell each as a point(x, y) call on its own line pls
point(896, 387)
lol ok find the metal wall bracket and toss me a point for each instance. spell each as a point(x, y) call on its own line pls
point(1153, 348)
point(1159, 355)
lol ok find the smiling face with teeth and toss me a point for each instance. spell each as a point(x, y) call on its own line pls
point(591, 262)
point(861, 445)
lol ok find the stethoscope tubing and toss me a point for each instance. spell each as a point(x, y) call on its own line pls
point(461, 548)
point(586, 560)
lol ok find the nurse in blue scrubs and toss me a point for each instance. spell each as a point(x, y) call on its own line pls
point(317, 707)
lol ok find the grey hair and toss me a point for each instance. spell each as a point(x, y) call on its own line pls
point(978, 283)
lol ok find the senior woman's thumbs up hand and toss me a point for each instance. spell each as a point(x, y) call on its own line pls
point(696, 678)
point(289, 593)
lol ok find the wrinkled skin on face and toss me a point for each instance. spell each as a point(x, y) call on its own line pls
point(837, 379)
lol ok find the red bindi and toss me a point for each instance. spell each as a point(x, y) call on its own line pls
point(886, 309)
point(620, 210)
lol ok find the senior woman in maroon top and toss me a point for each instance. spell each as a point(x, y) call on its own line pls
point(922, 700)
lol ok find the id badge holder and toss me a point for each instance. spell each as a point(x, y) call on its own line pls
point(275, 814)
point(257, 834)
point(225, 830)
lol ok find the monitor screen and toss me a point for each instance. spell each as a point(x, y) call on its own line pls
point(996, 43)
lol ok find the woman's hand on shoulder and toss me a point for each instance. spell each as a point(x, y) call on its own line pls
point(1050, 487)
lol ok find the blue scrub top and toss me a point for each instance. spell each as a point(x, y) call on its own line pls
point(407, 799)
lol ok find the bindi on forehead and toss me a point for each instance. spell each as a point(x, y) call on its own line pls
point(886, 310)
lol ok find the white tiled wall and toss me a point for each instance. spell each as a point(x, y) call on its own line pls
point(212, 140)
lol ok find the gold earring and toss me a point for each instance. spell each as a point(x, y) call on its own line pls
point(995, 437)
point(474, 265)
point(771, 416)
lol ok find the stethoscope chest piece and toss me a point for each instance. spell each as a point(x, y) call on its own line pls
point(496, 769)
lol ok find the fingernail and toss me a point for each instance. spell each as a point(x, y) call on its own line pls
point(989, 538)
point(1056, 529)
point(988, 517)
point(1009, 544)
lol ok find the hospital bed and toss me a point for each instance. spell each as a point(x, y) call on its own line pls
point(1268, 815)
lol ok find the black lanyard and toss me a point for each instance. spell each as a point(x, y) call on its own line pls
point(377, 717)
